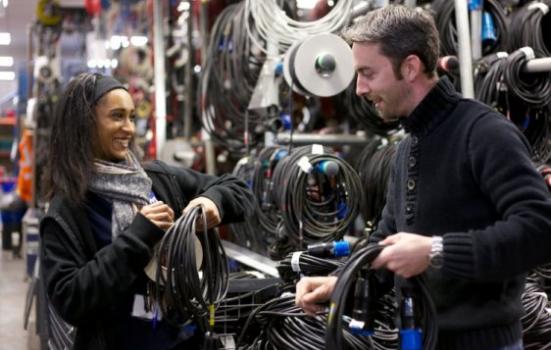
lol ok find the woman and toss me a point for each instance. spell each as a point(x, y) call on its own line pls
point(106, 214)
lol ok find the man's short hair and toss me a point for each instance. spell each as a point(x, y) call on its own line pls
point(400, 31)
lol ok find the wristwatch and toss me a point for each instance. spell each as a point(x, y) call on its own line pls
point(436, 255)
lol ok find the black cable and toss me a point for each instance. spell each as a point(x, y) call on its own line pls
point(374, 167)
point(444, 18)
point(528, 24)
point(534, 89)
point(227, 82)
point(315, 206)
point(489, 83)
point(180, 291)
point(358, 261)
point(308, 265)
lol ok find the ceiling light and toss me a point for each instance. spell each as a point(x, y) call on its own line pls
point(4, 3)
point(6, 61)
point(5, 38)
point(7, 75)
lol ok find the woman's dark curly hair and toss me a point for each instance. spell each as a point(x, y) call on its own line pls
point(70, 157)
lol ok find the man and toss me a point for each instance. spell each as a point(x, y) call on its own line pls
point(465, 205)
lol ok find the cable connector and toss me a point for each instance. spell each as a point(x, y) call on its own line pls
point(410, 335)
point(331, 249)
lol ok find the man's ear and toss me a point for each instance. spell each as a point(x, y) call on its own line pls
point(411, 68)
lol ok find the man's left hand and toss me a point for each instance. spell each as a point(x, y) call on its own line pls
point(209, 209)
point(405, 254)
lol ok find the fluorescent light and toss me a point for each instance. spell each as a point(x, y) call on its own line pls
point(7, 75)
point(5, 38)
point(6, 61)
point(138, 40)
point(5, 3)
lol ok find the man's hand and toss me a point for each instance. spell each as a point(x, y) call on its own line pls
point(405, 254)
point(160, 214)
point(209, 209)
point(311, 291)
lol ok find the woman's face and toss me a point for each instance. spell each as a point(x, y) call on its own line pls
point(115, 126)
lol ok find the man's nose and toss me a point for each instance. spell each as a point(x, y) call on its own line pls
point(362, 87)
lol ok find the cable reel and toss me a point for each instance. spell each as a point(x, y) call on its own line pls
point(321, 65)
point(48, 12)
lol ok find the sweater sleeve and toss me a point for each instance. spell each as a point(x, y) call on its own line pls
point(499, 157)
point(83, 290)
point(234, 200)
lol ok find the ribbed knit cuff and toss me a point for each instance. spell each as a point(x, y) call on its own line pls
point(458, 255)
point(145, 230)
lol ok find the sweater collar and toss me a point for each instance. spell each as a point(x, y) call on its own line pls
point(433, 109)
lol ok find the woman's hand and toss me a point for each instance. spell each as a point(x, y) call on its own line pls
point(209, 209)
point(160, 214)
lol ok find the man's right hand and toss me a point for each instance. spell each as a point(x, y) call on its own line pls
point(312, 291)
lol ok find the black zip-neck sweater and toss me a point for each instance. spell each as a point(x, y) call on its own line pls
point(464, 172)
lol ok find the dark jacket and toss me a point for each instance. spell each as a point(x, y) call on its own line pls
point(464, 172)
point(85, 284)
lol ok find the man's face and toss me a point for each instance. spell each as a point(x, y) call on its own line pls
point(115, 127)
point(377, 81)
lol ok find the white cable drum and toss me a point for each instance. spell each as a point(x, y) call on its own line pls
point(321, 65)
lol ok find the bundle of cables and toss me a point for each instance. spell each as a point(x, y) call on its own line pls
point(318, 194)
point(444, 17)
point(529, 101)
point(185, 285)
point(247, 291)
point(528, 27)
point(533, 89)
point(263, 188)
point(363, 112)
point(423, 309)
point(268, 25)
point(284, 326)
point(301, 263)
point(374, 167)
point(227, 82)
point(536, 321)
point(488, 83)
point(247, 233)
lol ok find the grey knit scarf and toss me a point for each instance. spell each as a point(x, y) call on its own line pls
point(126, 184)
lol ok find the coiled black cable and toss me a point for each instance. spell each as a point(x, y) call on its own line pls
point(444, 17)
point(308, 265)
point(358, 261)
point(228, 80)
point(315, 207)
point(247, 233)
point(489, 84)
point(528, 26)
point(285, 326)
point(374, 167)
point(536, 321)
point(263, 188)
point(180, 291)
point(534, 89)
